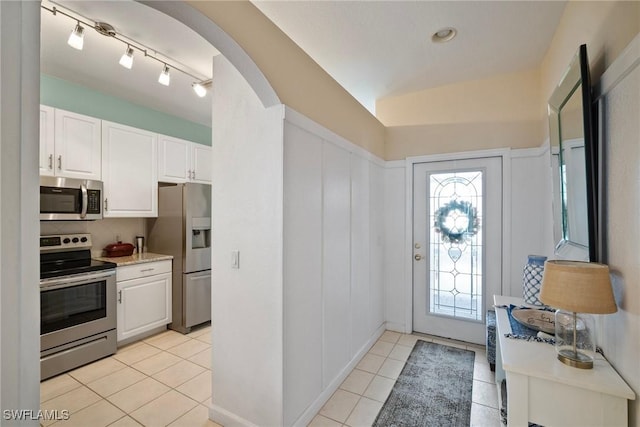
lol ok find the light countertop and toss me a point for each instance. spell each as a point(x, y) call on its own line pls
point(136, 258)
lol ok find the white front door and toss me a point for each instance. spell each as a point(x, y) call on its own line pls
point(457, 245)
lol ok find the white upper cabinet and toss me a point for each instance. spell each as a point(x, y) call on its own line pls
point(69, 144)
point(201, 163)
point(174, 159)
point(77, 145)
point(129, 171)
point(47, 138)
point(182, 161)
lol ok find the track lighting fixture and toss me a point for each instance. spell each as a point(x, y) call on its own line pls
point(127, 58)
point(164, 78)
point(76, 39)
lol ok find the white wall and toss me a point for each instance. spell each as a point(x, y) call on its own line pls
point(395, 285)
point(333, 262)
point(528, 228)
point(377, 255)
point(247, 303)
point(19, 291)
point(302, 270)
point(336, 261)
point(531, 213)
point(620, 138)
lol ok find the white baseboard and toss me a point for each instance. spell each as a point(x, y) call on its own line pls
point(317, 404)
point(226, 418)
point(229, 419)
point(397, 327)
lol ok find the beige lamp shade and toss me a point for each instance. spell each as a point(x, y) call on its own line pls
point(581, 287)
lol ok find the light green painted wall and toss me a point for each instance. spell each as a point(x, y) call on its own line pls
point(69, 96)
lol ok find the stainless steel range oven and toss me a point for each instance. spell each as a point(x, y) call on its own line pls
point(77, 304)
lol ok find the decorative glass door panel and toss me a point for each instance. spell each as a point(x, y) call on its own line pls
point(455, 244)
point(457, 247)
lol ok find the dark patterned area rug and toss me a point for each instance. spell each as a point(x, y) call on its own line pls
point(433, 389)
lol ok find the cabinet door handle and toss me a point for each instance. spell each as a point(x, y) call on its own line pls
point(194, 175)
point(60, 162)
point(120, 297)
point(106, 204)
point(190, 174)
point(50, 161)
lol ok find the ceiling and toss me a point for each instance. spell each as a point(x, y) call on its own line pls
point(374, 49)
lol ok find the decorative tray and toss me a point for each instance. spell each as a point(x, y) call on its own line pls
point(539, 320)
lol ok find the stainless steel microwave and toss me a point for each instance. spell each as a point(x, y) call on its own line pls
point(67, 199)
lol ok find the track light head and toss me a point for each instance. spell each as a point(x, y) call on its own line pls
point(199, 89)
point(202, 87)
point(76, 39)
point(127, 58)
point(164, 78)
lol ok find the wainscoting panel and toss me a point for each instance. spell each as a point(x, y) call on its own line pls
point(336, 260)
point(333, 262)
point(360, 280)
point(377, 265)
point(302, 270)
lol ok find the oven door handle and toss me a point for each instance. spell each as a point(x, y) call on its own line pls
point(65, 282)
point(85, 200)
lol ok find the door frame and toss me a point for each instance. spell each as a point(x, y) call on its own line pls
point(505, 155)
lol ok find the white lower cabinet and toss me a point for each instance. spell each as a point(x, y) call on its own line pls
point(144, 298)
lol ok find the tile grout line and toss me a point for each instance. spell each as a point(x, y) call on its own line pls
point(145, 376)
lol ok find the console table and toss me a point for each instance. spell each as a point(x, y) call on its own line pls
point(545, 391)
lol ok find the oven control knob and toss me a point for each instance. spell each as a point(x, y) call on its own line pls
point(75, 240)
point(66, 240)
point(83, 239)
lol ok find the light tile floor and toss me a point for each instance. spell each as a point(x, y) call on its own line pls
point(165, 380)
point(361, 396)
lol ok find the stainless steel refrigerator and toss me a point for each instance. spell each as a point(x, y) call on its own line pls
point(183, 229)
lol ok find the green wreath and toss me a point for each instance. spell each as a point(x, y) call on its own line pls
point(456, 221)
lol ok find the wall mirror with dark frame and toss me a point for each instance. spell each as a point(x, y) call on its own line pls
point(575, 182)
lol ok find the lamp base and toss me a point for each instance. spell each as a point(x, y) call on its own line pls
point(575, 359)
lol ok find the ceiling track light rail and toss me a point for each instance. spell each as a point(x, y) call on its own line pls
point(199, 85)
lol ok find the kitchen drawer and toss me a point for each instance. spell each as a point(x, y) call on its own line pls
point(128, 272)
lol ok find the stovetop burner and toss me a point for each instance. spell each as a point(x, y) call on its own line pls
point(64, 255)
point(51, 265)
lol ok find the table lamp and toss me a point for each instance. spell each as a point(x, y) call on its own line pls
point(576, 289)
